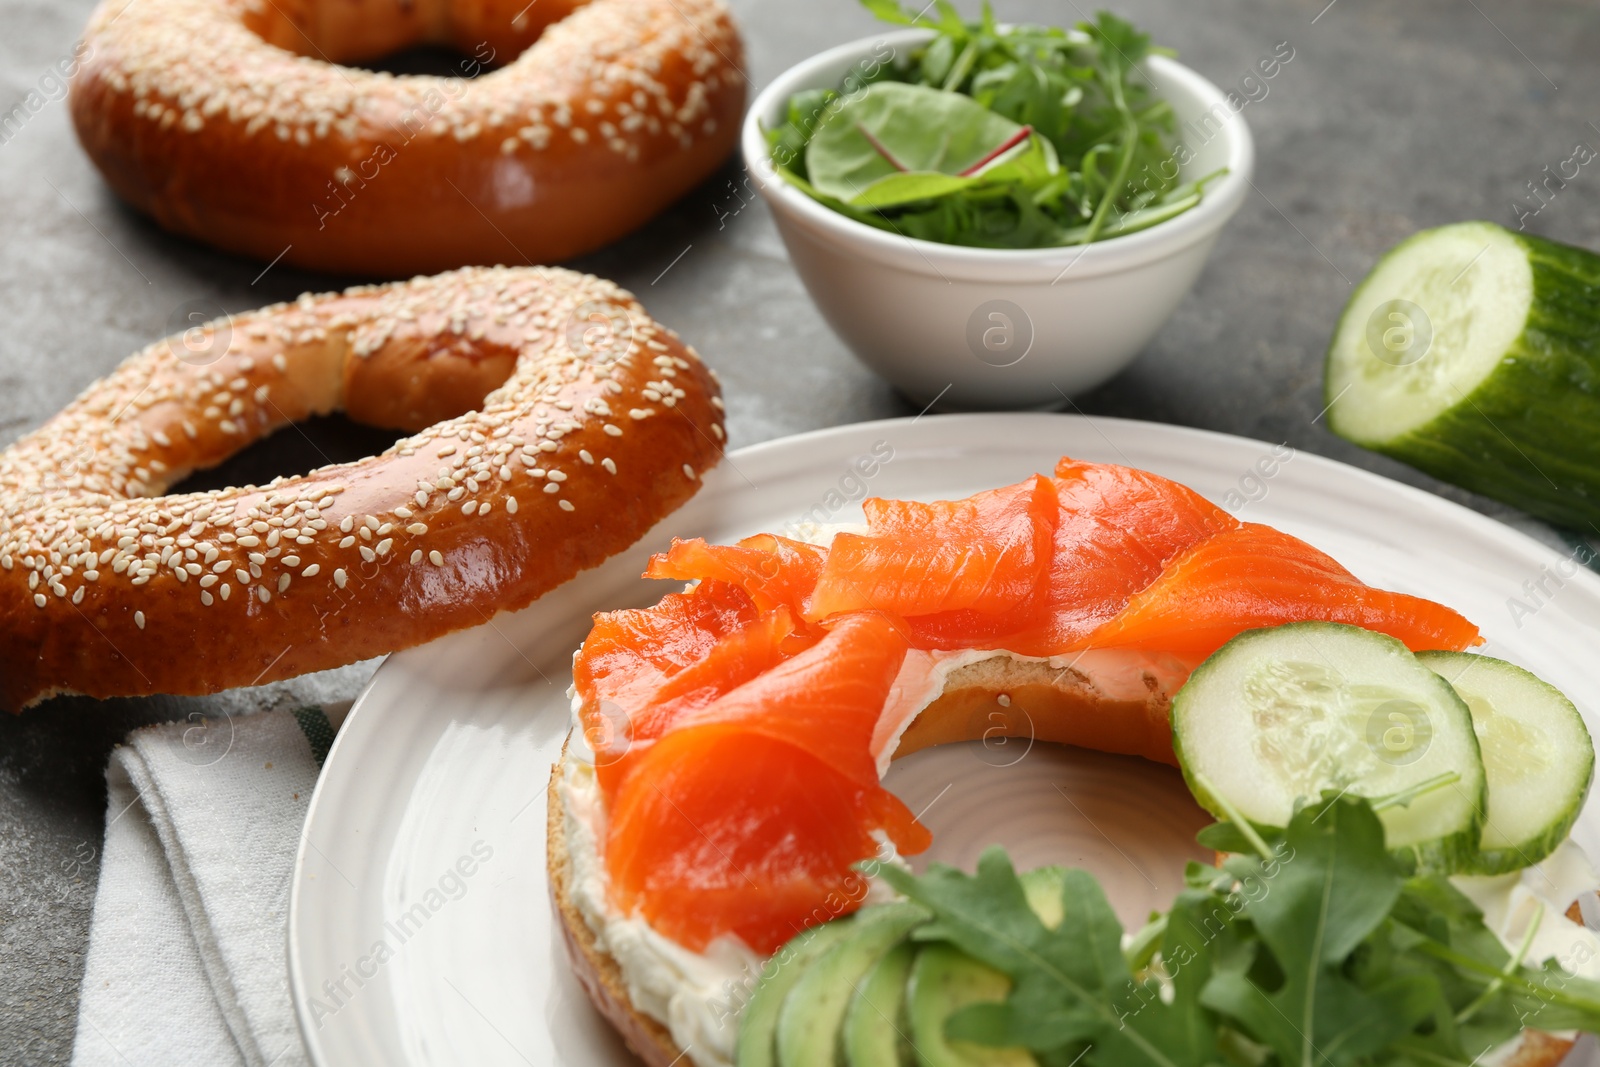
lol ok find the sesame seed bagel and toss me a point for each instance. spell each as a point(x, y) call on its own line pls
point(233, 122)
point(555, 424)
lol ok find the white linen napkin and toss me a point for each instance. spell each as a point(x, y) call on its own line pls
point(187, 945)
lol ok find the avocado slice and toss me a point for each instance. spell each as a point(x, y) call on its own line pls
point(874, 1033)
point(813, 1013)
point(1043, 887)
point(758, 1022)
point(944, 980)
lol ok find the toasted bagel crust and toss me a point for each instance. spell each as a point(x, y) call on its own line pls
point(596, 971)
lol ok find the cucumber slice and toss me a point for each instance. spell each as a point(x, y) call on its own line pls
point(1473, 353)
point(1277, 716)
point(758, 1022)
point(1537, 755)
point(874, 1032)
point(812, 1015)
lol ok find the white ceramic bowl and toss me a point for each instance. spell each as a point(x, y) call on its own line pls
point(1001, 328)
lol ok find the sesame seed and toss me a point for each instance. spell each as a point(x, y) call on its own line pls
point(138, 618)
point(416, 556)
point(385, 545)
point(39, 600)
point(553, 487)
point(367, 554)
point(609, 464)
point(311, 571)
point(511, 504)
point(339, 577)
point(417, 529)
point(566, 505)
point(614, 431)
point(436, 558)
point(469, 507)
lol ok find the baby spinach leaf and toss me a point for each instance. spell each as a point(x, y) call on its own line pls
point(894, 129)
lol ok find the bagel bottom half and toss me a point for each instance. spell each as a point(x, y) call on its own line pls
point(1049, 704)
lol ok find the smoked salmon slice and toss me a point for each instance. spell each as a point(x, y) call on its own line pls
point(773, 570)
point(1117, 529)
point(747, 815)
point(1254, 576)
point(725, 832)
point(986, 554)
point(630, 655)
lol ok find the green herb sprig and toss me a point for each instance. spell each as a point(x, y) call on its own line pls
point(990, 136)
point(1320, 951)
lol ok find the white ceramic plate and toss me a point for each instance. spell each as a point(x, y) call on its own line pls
point(420, 926)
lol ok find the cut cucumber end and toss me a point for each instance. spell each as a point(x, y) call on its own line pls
point(1276, 717)
point(1538, 758)
point(1425, 328)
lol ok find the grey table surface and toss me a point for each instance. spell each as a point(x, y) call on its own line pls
point(1389, 118)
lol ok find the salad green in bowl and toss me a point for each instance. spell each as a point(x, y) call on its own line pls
point(923, 253)
point(993, 136)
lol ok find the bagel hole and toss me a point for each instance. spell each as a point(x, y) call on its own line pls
point(408, 37)
point(291, 451)
point(435, 60)
point(1129, 822)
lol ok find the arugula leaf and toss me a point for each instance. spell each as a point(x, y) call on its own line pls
point(1072, 987)
point(888, 11)
point(1339, 889)
point(1492, 992)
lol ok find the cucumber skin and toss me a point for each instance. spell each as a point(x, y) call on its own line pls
point(1535, 419)
point(1446, 855)
point(1505, 860)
